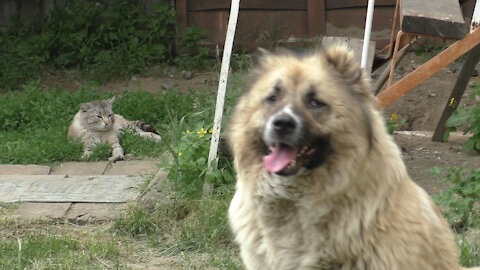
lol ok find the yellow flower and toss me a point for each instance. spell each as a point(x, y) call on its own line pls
point(394, 117)
point(210, 131)
point(452, 102)
point(188, 131)
point(202, 135)
point(180, 154)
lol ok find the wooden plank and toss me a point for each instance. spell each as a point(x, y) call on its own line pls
point(181, 8)
point(457, 92)
point(57, 188)
point(336, 4)
point(253, 27)
point(202, 5)
point(441, 18)
point(382, 19)
point(316, 17)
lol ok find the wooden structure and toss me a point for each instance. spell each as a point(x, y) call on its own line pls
point(443, 19)
point(262, 22)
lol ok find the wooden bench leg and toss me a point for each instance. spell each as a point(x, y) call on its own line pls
point(472, 59)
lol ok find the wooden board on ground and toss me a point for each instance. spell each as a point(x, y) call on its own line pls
point(57, 188)
point(356, 45)
point(441, 18)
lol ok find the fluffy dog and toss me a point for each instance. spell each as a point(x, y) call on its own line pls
point(321, 185)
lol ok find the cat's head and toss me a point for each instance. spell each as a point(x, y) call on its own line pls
point(98, 115)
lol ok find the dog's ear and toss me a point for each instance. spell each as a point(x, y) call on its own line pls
point(341, 58)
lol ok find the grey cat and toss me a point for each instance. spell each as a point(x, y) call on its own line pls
point(96, 123)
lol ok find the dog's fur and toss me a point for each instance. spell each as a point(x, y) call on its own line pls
point(351, 205)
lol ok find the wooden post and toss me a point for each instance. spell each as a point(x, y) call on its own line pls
point(472, 59)
point(222, 85)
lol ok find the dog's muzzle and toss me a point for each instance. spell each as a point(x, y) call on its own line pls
point(289, 147)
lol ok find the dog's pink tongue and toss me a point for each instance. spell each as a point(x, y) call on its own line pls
point(279, 158)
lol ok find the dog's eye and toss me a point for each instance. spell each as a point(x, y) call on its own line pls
point(272, 99)
point(315, 104)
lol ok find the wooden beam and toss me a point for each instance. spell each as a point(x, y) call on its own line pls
point(441, 18)
point(431, 67)
point(472, 59)
point(316, 17)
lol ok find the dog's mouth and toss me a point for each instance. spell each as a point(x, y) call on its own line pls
point(286, 160)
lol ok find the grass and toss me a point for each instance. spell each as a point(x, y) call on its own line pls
point(34, 122)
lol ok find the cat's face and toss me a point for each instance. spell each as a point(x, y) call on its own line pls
point(98, 115)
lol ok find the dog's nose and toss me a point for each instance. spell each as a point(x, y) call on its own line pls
point(284, 124)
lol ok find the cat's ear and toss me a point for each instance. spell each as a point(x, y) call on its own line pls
point(84, 107)
point(110, 101)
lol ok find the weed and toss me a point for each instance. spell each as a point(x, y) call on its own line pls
point(192, 54)
point(469, 247)
point(50, 251)
point(393, 122)
point(470, 118)
point(461, 199)
point(113, 38)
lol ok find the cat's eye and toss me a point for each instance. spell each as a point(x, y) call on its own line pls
point(99, 116)
point(110, 115)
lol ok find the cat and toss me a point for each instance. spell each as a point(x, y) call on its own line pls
point(96, 123)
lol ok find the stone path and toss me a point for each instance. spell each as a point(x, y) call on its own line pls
point(75, 192)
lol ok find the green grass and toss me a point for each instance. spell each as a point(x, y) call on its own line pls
point(46, 250)
point(34, 122)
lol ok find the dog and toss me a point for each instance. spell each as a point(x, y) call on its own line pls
point(320, 182)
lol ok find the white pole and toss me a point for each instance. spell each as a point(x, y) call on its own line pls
point(222, 85)
point(368, 31)
point(475, 17)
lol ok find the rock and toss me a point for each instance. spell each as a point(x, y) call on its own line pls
point(432, 95)
point(474, 73)
point(133, 78)
point(187, 74)
point(166, 86)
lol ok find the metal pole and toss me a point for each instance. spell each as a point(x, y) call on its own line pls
point(222, 85)
point(368, 31)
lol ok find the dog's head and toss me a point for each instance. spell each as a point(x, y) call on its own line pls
point(303, 112)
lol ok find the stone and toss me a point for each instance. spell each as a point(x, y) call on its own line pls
point(42, 211)
point(80, 168)
point(6, 169)
point(133, 168)
point(88, 213)
point(187, 74)
point(75, 188)
point(166, 86)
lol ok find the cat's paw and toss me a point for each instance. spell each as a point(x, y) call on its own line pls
point(86, 154)
point(155, 137)
point(117, 154)
point(116, 158)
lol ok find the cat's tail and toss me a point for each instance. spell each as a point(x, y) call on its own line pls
point(147, 127)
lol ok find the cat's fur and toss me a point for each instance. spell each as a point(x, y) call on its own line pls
point(96, 123)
